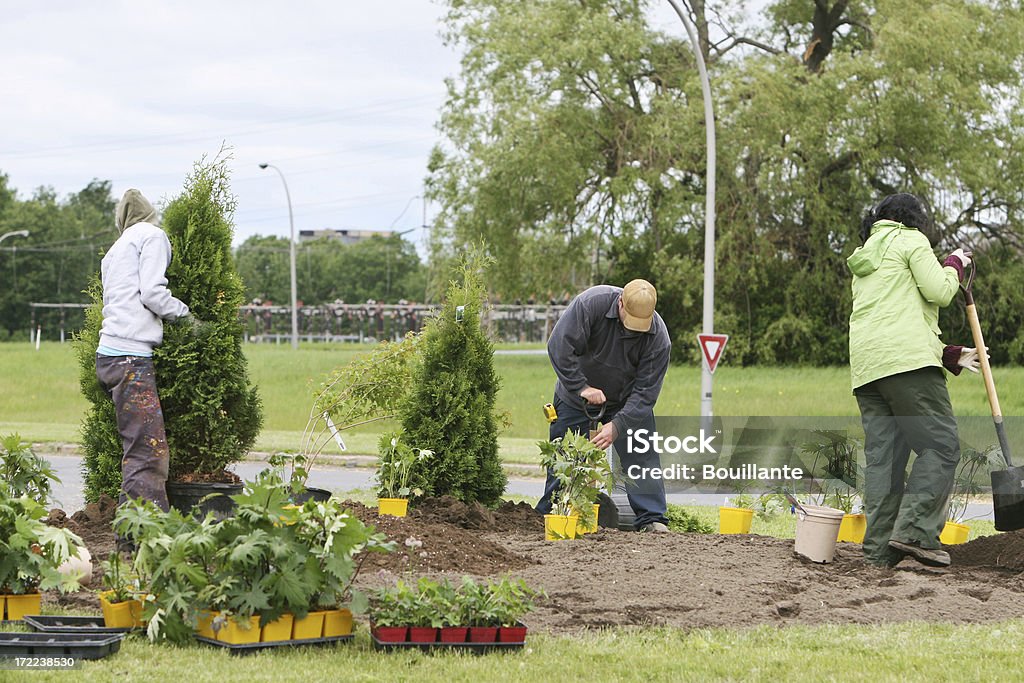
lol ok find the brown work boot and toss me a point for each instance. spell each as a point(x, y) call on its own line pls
point(933, 557)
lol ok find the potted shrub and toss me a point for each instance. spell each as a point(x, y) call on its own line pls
point(965, 488)
point(119, 600)
point(398, 467)
point(582, 471)
point(840, 486)
point(211, 413)
point(30, 554)
point(450, 407)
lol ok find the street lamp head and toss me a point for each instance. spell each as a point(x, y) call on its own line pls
point(264, 166)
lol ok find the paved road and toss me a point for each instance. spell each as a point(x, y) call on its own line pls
point(69, 497)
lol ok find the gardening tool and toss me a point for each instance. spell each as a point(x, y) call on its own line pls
point(595, 418)
point(794, 502)
point(1008, 484)
point(614, 510)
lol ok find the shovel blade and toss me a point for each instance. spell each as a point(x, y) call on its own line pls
point(1008, 498)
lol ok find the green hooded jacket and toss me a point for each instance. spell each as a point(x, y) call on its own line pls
point(898, 287)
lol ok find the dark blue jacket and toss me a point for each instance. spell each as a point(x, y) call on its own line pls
point(590, 347)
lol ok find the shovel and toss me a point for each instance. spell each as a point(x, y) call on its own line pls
point(1008, 484)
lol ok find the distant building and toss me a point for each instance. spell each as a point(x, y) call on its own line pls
point(344, 236)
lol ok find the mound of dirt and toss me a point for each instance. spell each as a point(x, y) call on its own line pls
point(1002, 550)
point(430, 546)
point(508, 518)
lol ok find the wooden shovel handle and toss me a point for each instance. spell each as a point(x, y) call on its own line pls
point(986, 369)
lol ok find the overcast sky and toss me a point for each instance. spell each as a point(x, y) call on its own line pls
point(341, 95)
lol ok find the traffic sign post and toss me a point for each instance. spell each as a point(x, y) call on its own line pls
point(711, 347)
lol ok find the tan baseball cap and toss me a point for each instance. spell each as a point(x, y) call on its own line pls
point(638, 300)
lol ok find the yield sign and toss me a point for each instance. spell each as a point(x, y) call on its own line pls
point(711, 346)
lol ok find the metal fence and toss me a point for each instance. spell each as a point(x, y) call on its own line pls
point(509, 323)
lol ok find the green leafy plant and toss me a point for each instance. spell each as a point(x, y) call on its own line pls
point(399, 466)
point(22, 472)
point(965, 486)
point(271, 557)
point(841, 480)
point(681, 520)
point(511, 600)
point(30, 550)
point(370, 388)
point(118, 579)
point(451, 408)
point(582, 471)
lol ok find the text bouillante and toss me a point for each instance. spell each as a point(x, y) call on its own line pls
point(710, 472)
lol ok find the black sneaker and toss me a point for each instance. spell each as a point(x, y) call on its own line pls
point(933, 557)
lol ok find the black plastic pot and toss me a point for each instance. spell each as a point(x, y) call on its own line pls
point(319, 495)
point(209, 497)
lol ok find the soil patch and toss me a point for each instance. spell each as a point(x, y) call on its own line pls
point(615, 578)
point(94, 525)
point(427, 546)
point(1004, 550)
point(509, 517)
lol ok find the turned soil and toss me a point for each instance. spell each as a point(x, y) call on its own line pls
point(615, 578)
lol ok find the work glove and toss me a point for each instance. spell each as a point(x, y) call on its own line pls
point(956, 358)
point(192, 323)
point(959, 260)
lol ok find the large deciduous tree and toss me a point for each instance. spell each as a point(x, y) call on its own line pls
point(575, 149)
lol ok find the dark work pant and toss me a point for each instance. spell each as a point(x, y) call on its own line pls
point(131, 382)
point(901, 413)
point(646, 497)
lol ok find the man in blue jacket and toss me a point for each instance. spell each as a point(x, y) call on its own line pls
point(136, 301)
point(610, 347)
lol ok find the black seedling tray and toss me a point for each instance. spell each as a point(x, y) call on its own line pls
point(475, 648)
point(54, 624)
point(249, 648)
point(74, 645)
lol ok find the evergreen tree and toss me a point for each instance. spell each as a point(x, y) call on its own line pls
point(450, 409)
point(212, 415)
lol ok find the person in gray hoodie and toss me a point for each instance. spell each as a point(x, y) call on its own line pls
point(136, 301)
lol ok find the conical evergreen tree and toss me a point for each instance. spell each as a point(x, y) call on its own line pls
point(212, 414)
point(451, 407)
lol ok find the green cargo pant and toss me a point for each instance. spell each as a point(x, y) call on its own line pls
point(900, 413)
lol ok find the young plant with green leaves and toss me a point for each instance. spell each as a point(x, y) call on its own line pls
point(270, 558)
point(31, 550)
point(451, 407)
point(965, 484)
point(22, 472)
point(511, 600)
point(119, 580)
point(582, 471)
point(834, 476)
point(368, 389)
point(400, 467)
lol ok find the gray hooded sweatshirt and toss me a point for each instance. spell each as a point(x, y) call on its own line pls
point(136, 300)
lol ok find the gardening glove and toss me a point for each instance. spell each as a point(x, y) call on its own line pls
point(192, 322)
point(959, 260)
point(956, 358)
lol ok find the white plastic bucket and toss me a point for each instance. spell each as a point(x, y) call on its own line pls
point(816, 531)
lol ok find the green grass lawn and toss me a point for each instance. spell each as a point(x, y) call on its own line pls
point(892, 652)
point(40, 397)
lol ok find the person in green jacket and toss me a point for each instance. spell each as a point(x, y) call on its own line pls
point(896, 362)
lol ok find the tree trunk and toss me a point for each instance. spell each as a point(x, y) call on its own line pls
point(826, 21)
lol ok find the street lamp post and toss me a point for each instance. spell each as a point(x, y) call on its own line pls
point(16, 233)
point(291, 253)
point(708, 325)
